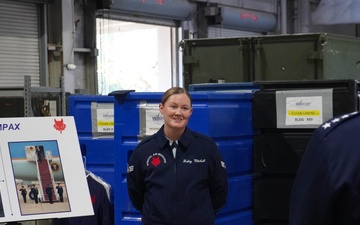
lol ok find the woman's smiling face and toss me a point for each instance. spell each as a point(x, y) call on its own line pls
point(176, 111)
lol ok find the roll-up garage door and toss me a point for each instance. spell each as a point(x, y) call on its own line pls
point(19, 43)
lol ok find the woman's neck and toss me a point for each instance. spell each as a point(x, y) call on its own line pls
point(173, 134)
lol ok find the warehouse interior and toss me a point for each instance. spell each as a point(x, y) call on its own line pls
point(62, 34)
point(83, 58)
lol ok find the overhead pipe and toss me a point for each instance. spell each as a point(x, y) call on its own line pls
point(163, 9)
point(246, 19)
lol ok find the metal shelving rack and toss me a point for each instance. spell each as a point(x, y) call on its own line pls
point(29, 93)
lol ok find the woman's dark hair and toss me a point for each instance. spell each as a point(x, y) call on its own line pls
point(174, 91)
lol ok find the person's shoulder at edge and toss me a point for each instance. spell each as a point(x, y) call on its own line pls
point(329, 126)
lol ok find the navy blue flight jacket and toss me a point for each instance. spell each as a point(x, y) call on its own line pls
point(186, 190)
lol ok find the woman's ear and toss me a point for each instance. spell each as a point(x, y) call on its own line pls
point(161, 107)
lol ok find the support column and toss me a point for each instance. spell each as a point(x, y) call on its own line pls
point(67, 7)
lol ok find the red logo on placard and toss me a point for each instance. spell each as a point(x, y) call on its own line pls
point(59, 125)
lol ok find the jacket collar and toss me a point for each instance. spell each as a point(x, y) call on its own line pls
point(184, 140)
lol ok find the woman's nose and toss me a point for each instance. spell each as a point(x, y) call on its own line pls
point(178, 111)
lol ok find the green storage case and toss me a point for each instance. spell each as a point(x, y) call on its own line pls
point(315, 56)
point(209, 60)
point(318, 56)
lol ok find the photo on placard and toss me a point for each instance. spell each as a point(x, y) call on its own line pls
point(2, 214)
point(39, 178)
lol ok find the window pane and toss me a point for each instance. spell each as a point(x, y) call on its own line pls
point(133, 56)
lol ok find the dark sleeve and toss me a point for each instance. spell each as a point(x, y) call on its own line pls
point(311, 197)
point(135, 181)
point(104, 209)
point(100, 203)
point(60, 221)
point(218, 180)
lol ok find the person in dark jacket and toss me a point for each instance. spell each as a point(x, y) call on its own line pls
point(60, 192)
point(38, 153)
point(49, 192)
point(326, 190)
point(34, 194)
point(177, 176)
point(23, 193)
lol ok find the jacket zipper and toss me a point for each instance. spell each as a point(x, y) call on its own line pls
point(175, 204)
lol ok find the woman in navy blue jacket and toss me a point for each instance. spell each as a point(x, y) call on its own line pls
point(177, 176)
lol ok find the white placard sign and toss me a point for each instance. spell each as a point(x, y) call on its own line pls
point(36, 155)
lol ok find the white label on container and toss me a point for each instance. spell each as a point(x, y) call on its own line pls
point(154, 120)
point(105, 120)
point(304, 110)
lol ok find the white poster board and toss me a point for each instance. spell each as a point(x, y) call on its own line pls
point(38, 154)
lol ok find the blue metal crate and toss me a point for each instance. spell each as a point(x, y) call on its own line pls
point(240, 194)
point(99, 148)
point(239, 218)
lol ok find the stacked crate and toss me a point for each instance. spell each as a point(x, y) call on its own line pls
point(94, 120)
point(287, 112)
point(312, 56)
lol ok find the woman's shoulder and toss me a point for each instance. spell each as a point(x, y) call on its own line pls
point(148, 140)
point(203, 138)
